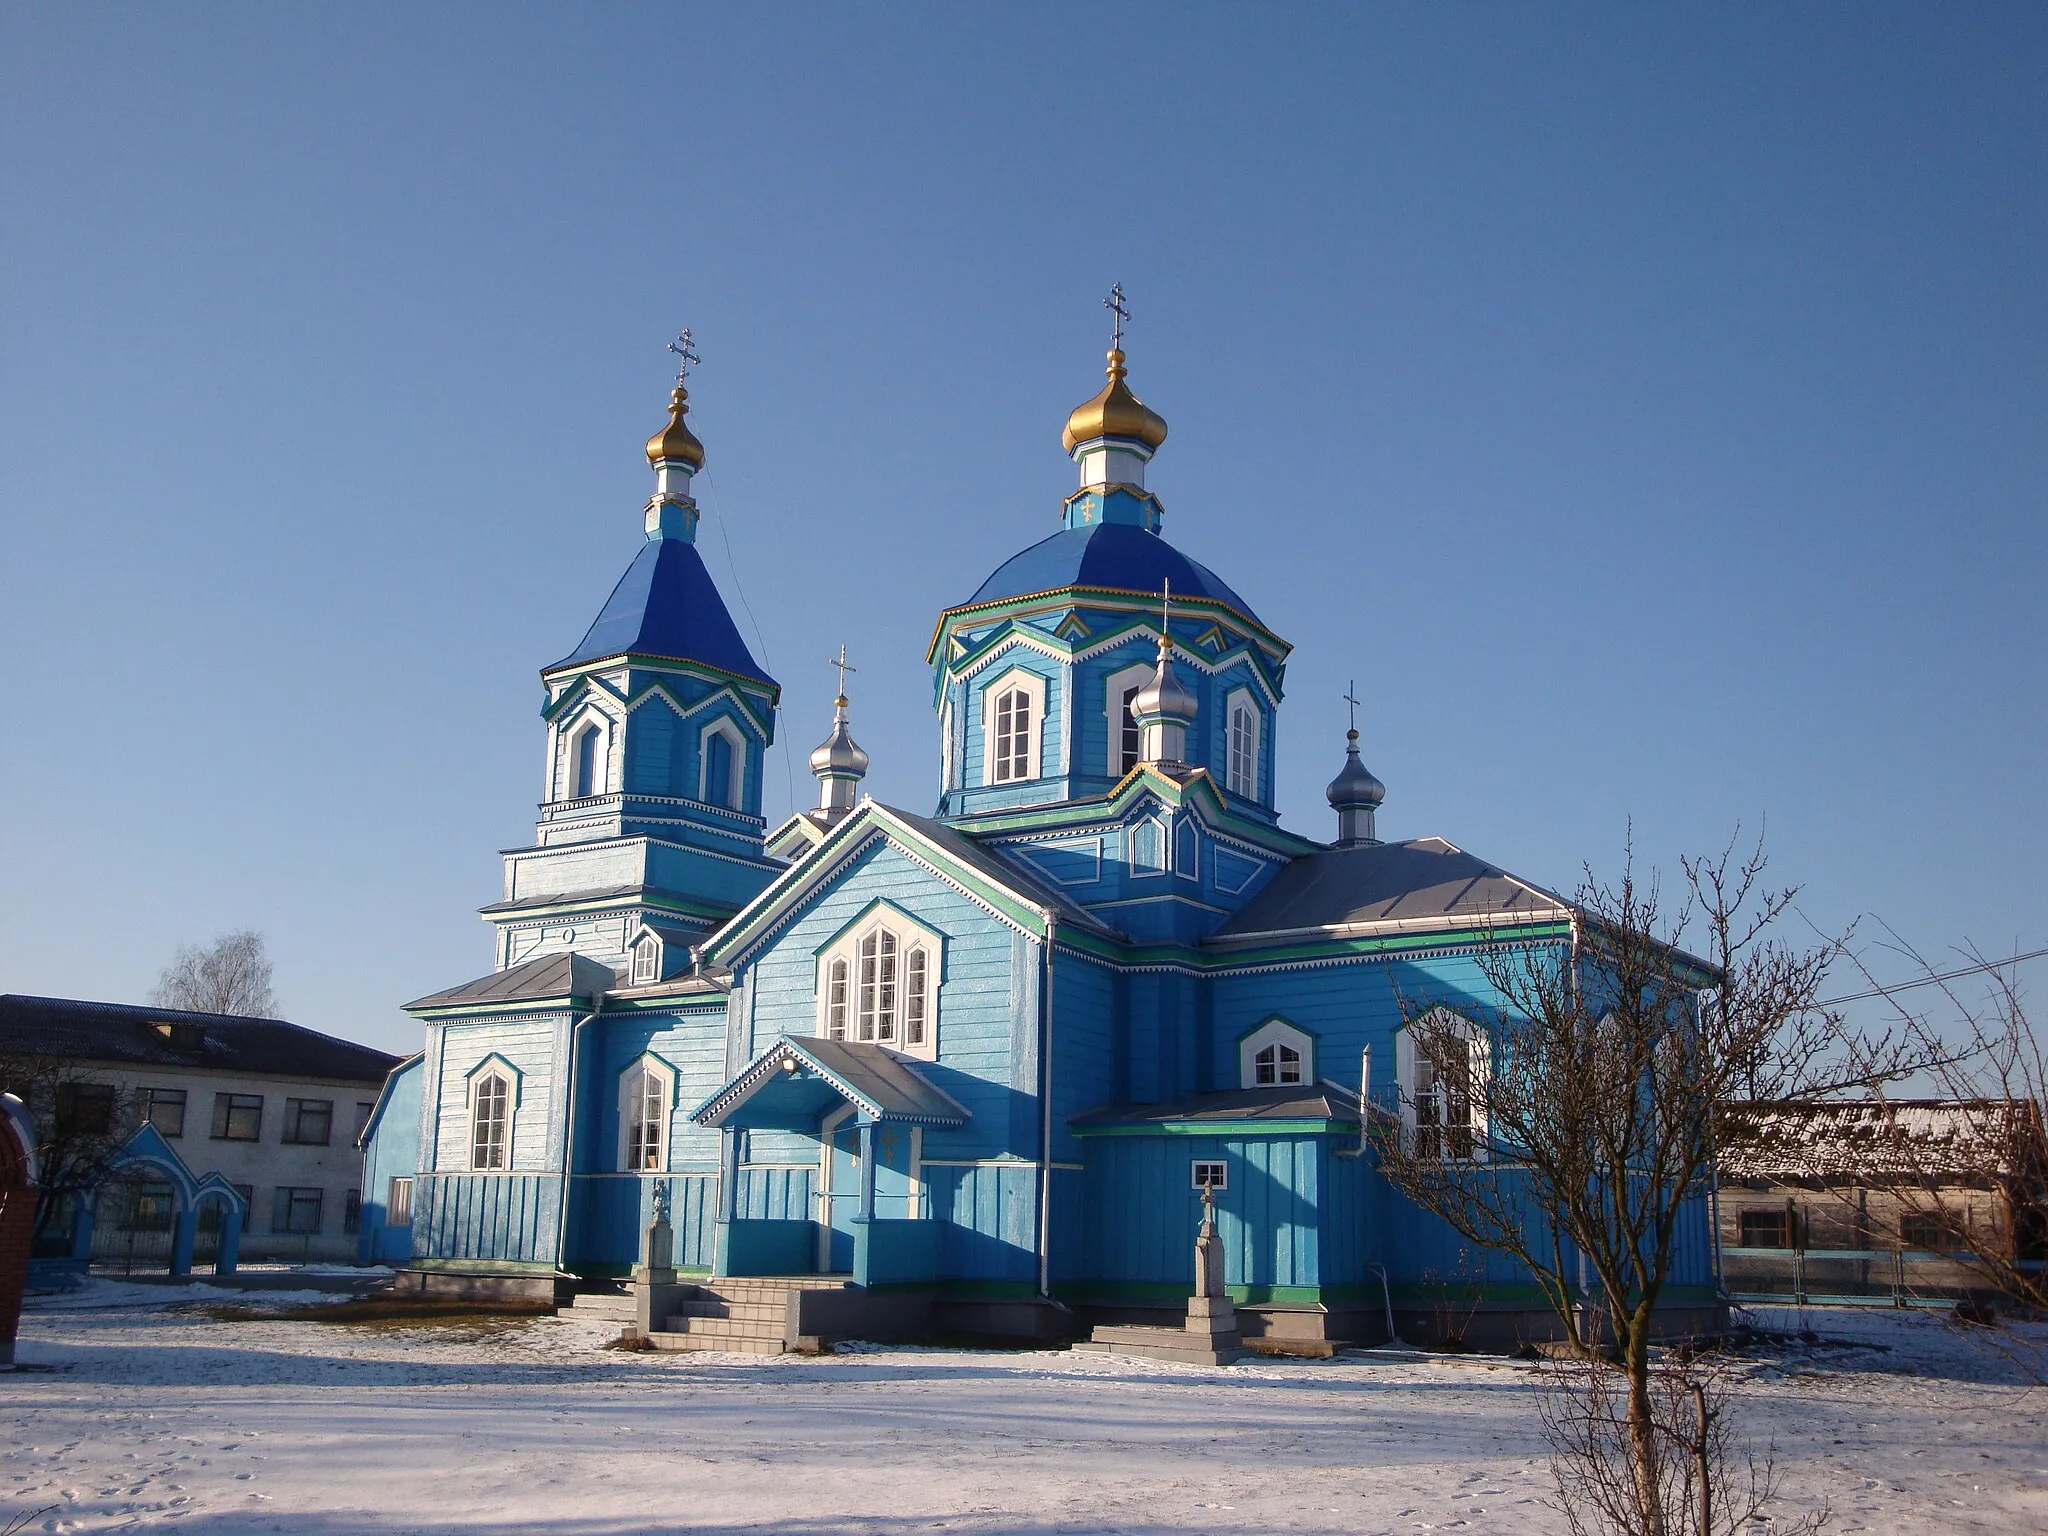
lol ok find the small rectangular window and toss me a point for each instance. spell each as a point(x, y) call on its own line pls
point(398, 1207)
point(352, 1212)
point(85, 1109)
point(308, 1122)
point(166, 1111)
point(1210, 1175)
point(1764, 1229)
point(1928, 1231)
point(296, 1211)
point(237, 1116)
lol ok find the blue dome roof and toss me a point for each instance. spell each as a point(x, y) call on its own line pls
point(667, 605)
point(1119, 556)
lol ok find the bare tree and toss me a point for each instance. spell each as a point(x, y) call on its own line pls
point(230, 975)
point(1583, 1142)
point(80, 1121)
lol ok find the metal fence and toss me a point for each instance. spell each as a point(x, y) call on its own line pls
point(1851, 1277)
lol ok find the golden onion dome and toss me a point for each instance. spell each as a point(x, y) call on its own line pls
point(1116, 412)
point(676, 441)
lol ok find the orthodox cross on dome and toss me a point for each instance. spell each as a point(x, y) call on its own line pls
point(686, 351)
point(1166, 614)
point(843, 665)
point(1351, 698)
point(1115, 305)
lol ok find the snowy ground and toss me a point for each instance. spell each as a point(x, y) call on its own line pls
point(161, 1417)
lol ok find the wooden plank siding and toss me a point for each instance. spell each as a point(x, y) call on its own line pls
point(495, 1217)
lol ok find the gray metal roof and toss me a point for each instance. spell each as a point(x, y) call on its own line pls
point(1003, 871)
point(71, 1029)
point(1235, 1106)
point(1412, 884)
point(565, 976)
point(1877, 1141)
point(564, 898)
point(871, 1077)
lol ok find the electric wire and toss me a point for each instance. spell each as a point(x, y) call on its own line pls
point(1935, 980)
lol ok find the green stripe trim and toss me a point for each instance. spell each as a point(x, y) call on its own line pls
point(1224, 1128)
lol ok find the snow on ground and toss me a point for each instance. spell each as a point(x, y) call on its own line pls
point(161, 1418)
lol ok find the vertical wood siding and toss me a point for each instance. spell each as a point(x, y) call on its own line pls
point(507, 1217)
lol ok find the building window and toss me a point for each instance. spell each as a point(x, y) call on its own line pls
point(878, 983)
point(644, 1093)
point(1276, 1064)
point(835, 1000)
point(308, 1122)
point(1209, 1174)
point(1764, 1229)
point(490, 1114)
point(1012, 736)
point(718, 769)
point(166, 1111)
point(363, 1112)
point(646, 960)
point(1241, 757)
point(1130, 740)
point(398, 1204)
point(1441, 1061)
point(295, 1211)
point(587, 741)
point(85, 1109)
point(352, 1212)
point(237, 1116)
point(1929, 1231)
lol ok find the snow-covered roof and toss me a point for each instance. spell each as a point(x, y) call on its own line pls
point(1880, 1141)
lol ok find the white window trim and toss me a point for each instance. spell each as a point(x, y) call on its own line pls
point(628, 1084)
point(910, 935)
point(493, 1065)
point(1406, 1063)
point(1242, 698)
point(1034, 747)
point(601, 760)
point(648, 943)
point(1113, 715)
point(1275, 1031)
point(736, 788)
point(1165, 834)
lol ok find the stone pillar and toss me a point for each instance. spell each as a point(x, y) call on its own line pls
point(655, 1291)
point(867, 1172)
point(231, 1240)
point(184, 1233)
point(1210, 1312)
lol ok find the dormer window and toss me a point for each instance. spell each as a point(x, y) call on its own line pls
point(1276, 1055)
point(1275, 1065)
point(646, 960)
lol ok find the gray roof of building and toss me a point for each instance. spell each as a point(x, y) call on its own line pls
point(887, 1085)
point(1877, 1141)
point(563, 898)
point(1241, 1106)
point(551, 976)
point(72, 1029)
point(1004, 872)
point(1409, 884)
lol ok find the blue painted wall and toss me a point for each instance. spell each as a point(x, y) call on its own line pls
point(391, 1150)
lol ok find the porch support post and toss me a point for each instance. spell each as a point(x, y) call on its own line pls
point(231, 1240)
point(184, 1231)
point(867, 1170)
point(729, 1175)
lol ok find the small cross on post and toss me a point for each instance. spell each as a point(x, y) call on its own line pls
point(844, 667)
point(1115, 305)
point(1166, 615)
point(686, 352)
point(1351, 698)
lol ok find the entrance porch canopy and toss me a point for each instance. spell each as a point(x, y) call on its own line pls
point(794, 1083)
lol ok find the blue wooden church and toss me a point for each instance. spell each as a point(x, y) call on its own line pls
point(977, 1065)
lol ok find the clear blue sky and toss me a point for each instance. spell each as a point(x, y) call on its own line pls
point(1645, 405)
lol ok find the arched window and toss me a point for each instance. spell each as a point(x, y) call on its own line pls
point(490, 1117)
point(1012, 736)
point(1275, 1065)
point(1441, 1062)
point(1242, 776)
point(585, 781)
point(643, 1112)
point(878, 983)
point(835, 1000)
point(1130, 738)
point(646, 960)
point(718, 786)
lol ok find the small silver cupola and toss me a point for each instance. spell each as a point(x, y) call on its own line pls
point(839, 762)
point(1355, 795)
point(1165, 707)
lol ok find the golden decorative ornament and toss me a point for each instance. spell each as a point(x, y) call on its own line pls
point(676, 441)
point(1116, 412)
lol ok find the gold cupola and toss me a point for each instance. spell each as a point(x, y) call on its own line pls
point(676, 443)
point(1115, 412)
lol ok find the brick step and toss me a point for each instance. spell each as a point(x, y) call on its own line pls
point(688, 1342)
point(731, 1284)
point(724, 1328)
point(747, 1311)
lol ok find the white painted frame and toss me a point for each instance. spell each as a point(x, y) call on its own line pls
point(1114, 718)
point(736, 789)
point(493, 1065)
point(1275, 1031)
point(648, 943)
point(1236, 699)
point(1408, 1062)
point(1034, 685)
point(1160, 830)
point(911, 934)
point(628, 1082)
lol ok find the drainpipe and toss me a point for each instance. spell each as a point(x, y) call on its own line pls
point(568, 1147)
point(1045, 1116)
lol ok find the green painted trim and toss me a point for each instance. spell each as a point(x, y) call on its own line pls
point(740, 682)
point(997, 609)
point(1279, 1018)
point(568, 1003)
point(1224, 1129)
point(1117, 804)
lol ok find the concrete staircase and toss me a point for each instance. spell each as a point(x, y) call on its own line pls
point(601, 1302)
point(750, 1315)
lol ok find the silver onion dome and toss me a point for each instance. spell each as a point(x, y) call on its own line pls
point(1165, 697)
point(839, 755)
point(1355, 787)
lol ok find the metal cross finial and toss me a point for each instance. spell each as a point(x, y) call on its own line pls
point(843, 665)
point(1166, 613)
point(684, 350)
point(1351, 698)
point(1115, 305)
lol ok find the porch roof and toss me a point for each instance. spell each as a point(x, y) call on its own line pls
point(1308, 1108)
point(794, 1082)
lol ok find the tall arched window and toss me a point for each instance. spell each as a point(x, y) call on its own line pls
point(718, 788)
point(1242, 777)
point(1012, 736)
point(915, 968)
point(1441, 1062)
point(1130, 738)
point(644, 1100)
point(878, 987)
point(585, 777)
point(490, 1115)
point(835, 1000)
